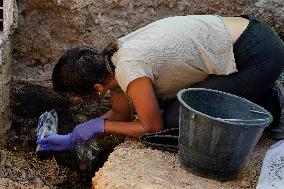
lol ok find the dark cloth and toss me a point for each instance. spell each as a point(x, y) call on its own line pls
point(259, 56)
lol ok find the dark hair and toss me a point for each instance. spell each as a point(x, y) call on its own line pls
point(78, 69)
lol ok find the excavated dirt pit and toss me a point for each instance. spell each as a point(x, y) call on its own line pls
point(45, 30)
point(23, 166)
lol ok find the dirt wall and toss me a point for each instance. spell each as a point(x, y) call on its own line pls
point(5, 78)
point(5, 64)
point(49, 27)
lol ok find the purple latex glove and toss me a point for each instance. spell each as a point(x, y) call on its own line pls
point(85, 131)
point(81, 133)
point(55, 142)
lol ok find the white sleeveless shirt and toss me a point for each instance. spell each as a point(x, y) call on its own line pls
point(175, 53)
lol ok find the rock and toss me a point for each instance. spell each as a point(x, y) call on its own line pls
point(244, 184)
point(37, 183)
point(132, 165)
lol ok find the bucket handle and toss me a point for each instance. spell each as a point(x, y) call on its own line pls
point(259, 112)
point(242, 120)
point(247, 120)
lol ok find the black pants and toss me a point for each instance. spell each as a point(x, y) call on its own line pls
point(259, 56)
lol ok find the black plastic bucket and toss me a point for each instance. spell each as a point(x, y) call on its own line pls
point(217, 131)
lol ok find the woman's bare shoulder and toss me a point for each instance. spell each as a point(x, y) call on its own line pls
point(235, 26)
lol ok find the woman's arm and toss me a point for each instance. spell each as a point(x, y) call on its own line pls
point(120, 108)
point(150, 120)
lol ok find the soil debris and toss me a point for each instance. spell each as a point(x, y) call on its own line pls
point(21, 167)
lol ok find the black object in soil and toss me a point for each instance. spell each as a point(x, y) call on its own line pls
point(163, 140)
point(218, 131)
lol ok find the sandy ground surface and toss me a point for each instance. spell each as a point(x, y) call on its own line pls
point(133, 165)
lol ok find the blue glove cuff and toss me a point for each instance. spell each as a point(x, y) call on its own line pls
point(74, 140)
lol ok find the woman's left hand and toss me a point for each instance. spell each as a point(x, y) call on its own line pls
point(85, 131)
